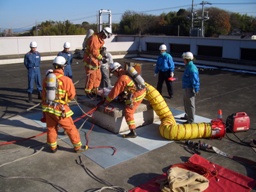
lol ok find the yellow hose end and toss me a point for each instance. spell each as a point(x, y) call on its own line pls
point(86, 147)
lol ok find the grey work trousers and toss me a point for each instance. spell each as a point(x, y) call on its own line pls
point(189, 104)
point(105, 80)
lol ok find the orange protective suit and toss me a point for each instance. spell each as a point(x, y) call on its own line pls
point(92, 58)
point(126, 84)
point(59, 112)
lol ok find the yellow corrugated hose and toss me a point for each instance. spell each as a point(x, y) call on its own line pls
point(169, 129)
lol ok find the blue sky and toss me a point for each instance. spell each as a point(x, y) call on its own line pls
point(16, 14)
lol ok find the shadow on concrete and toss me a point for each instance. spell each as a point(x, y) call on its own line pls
point(14, 101)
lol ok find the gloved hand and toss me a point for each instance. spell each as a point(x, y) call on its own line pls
point(196, 92)
point(172, 74)
point(104, 60)
point(155, 74)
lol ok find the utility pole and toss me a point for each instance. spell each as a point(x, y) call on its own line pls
point(203, 18)
point(36, 29)
point(192, 17)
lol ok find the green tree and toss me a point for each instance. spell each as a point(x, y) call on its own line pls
point(221, 22)
point(218, 23)
point(180, 23)
point(57, 28)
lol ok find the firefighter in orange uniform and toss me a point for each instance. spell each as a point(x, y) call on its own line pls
point(92, 59)
point(126, 88)
point(57, 91)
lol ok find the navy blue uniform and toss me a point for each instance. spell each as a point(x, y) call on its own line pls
point(32, 63)
point(69, 58)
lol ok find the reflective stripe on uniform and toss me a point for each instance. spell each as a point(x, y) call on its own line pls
point(91, 66)
point(99, 57)
point(61, 93)
point(141, 97)
point(47, 108)
point(87, 90)
point(130, 123)
point(53, 145)
point(79, 144)
point(130, 84)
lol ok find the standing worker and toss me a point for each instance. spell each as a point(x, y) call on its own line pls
point(191, 86)
point(32, 61)
point(92, 59)
point(69, 59)
point(58, 90)
point(165, 67)
point(104, 68)
point(128, 89)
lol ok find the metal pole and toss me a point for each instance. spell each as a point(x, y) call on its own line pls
point(203, 17)
point(100, 20)
point(202, 21)
point(192, 16)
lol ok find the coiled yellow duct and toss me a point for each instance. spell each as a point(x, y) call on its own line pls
point(169, 129)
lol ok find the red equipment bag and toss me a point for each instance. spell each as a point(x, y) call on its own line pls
point(237, 122)
point(220, 178)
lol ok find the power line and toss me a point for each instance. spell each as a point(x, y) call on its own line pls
point(249, 3)
point(153, 10)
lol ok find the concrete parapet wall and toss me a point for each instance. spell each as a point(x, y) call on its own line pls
point(12, 49)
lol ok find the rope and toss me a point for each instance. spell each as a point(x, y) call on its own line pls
point(93, 176)
point(34, 106)
point(59, 188)
point(95, 147)
point(16, 141)
point(107, 188)
point(40, 134)
point(89, 113)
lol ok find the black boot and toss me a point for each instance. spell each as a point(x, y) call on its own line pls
point(39, 95)
point(132, 134)
point(29, 97)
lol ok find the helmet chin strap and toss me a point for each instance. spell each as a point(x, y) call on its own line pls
point(58, 67)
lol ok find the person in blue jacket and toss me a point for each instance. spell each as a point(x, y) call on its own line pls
point(191, 86)
point(165, 69)
point(32, 61)
point(69, 58)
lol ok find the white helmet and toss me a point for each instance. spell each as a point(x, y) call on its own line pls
point(114, 66)
point(188, 55)
point(162, 47)
point(59, 60)
point(66, 45)
point(107, 31)
point(33, 44)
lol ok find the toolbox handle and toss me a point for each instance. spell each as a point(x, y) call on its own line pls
point(241, 114)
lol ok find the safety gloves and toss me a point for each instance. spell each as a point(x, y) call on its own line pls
point(196, 92)
point(104, 60)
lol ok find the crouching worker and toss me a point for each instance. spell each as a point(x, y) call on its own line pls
point(58, 90)
point(130, 91)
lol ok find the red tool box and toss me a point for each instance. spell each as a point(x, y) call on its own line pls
point(237, 122)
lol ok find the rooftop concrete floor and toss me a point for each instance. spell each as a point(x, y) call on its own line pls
point(44, 171)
